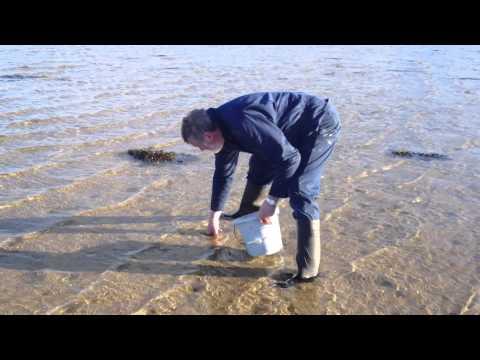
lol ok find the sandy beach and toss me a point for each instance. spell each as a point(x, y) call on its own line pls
point(87, 229)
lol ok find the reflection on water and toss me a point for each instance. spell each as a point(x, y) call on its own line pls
point(84, 228)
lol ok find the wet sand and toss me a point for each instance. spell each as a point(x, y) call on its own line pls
point(149, 255)
point(399, 235)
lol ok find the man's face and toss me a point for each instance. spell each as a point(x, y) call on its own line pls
point(198, 144)
point(210, 143)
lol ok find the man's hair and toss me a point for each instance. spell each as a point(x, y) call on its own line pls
point(195, 124)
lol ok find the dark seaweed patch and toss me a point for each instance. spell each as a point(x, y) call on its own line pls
point(159, 156)
point(152, 155)
point(419, 155)
point(13, 77)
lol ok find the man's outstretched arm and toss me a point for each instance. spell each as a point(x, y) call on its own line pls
point(225, 165)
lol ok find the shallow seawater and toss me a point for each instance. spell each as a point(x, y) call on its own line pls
point(87, 229)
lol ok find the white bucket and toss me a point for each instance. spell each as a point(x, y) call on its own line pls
point(260, 239)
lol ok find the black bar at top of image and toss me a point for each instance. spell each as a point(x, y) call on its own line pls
point(243, 22)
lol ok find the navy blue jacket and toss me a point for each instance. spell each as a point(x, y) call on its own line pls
point(270, 126)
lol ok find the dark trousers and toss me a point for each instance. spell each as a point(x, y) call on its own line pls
point(304, 190)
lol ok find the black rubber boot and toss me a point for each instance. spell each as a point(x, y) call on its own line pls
point(308, 247)
point(252, 198)
point(308, 253)
point(294, 280)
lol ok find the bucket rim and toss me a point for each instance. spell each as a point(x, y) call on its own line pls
point(246, 218)
point(251, 216)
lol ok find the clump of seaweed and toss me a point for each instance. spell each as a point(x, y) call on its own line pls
point(420, 155)
point(151, 155)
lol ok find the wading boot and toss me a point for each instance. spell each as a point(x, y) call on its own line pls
point(252, 198)
point(308, 254)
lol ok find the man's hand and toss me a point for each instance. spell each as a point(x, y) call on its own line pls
point(267, 210)
point(214, 224)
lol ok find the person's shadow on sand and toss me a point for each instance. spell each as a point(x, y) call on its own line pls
point(66, 224)
point(136, 257)
point(133, 256)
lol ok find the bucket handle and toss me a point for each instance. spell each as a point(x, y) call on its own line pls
point(235, 232)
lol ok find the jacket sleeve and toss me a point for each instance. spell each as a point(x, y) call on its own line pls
point(263, 138)
point(225, 165)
